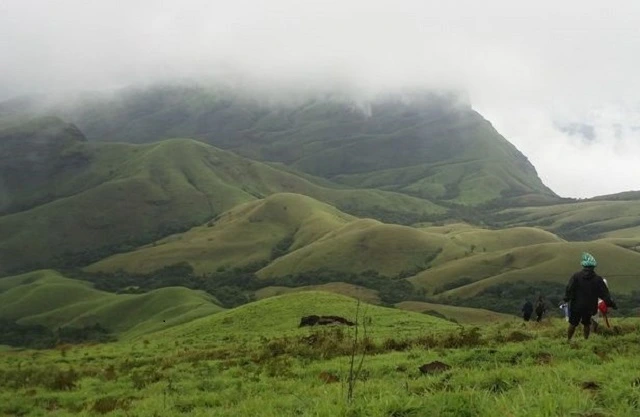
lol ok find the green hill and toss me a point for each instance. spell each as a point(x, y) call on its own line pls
point(280, 316)
point(246, 234)
point(294, 234)
point(462, 315)
point(578, 221)
point(48, 298)
point(547, 262)
point(84, 201)
point(424, 144)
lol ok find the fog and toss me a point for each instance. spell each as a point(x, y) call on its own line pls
point(531, 68)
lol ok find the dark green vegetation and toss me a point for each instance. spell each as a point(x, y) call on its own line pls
point(36, 336)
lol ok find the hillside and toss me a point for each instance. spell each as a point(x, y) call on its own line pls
point(587, 220)
point(293, 234)
point(255, 361)
point(462, 315)
point(547, 262)
point(246, 234)
point(66, 201)
point(280, 316)
point(48, 298)
point(427, 145)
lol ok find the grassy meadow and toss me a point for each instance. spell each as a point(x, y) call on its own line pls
point(254, 360)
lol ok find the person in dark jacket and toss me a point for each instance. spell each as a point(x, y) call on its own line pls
point(527, 310)
point(541, 307)
point(583, 291)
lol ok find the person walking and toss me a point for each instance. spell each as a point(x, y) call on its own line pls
point(527, 310)
point(541, 307)
point(582, 293)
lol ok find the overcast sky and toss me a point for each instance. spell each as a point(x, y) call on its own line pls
point(531, 68)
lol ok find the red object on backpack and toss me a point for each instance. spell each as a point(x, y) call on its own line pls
point(602, 306)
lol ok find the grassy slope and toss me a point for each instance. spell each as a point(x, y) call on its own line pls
point(583, 220)
point(48, 298)
point(321, 237)
point(543, 262)
point(463, 315)
point(129, 194)
point(280, 316)
point(365, 294)
point(392, 249)
point(235, 364)
point(240, 236)
point(422, 144)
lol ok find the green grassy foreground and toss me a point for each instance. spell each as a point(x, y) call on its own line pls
point(254, 360)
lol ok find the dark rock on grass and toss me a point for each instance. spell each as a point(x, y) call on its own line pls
point(544, 358)
point(434, 367)
point(590, 385)
point(324, 320)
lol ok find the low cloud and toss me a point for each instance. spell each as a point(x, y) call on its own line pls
point(529, 68)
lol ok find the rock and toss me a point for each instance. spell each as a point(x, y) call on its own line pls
point(434, 367)
point(323, 321)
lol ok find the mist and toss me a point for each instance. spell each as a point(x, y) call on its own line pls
point(530, 69)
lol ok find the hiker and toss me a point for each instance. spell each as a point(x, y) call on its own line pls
point(540, 309)
point(583, 291)
point(565, 310)
point(527, 310)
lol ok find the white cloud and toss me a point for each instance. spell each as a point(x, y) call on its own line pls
point(526, 65)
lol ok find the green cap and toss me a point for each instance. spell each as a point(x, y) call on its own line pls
point(588, 260)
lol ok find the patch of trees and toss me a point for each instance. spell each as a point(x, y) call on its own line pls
point(35, 336)
point(234, 287)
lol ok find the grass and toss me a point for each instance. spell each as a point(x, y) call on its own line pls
point(365, 294)
point(462, 315)
point(257, 362)
point(48, 298)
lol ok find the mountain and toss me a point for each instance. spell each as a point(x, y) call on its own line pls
point(427, 145)
point(67, 201)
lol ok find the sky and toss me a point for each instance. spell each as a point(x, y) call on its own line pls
point(533, 69)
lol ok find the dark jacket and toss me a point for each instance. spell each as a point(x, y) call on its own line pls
point(527, 308)
point(583, 291)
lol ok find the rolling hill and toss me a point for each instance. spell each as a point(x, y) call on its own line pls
point(48, 298)
point(280, 316)
point(424, 144)
point(66, 201)
point(549, 262)
point(292, 234)
point(585, 220)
